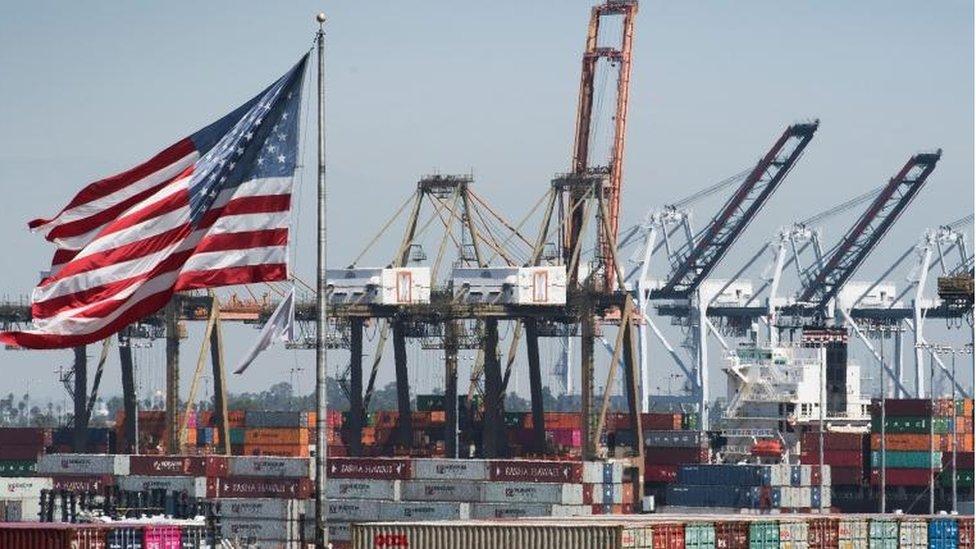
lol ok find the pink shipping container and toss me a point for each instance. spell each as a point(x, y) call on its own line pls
point(162, 537)
point(565, 437)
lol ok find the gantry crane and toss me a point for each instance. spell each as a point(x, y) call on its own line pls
point(821, 286)
point(704, 251)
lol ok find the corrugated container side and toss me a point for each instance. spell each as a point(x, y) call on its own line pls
point(495, 536)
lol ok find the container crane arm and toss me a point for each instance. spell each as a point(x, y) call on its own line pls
point(737, 212)
point(861, 239)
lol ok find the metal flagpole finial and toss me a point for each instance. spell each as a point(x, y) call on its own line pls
point(320, 17)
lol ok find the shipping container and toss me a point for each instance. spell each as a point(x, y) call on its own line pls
point(535, 471)
point(354, 488)
point(276, 418)
point(242, 487)
point(83, 464)
point(451, 469)
point(194, 466)
point(488, 535)
point(271, 466)
point(51, 536)
point(380, 468)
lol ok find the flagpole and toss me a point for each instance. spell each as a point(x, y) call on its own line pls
point(321, 442)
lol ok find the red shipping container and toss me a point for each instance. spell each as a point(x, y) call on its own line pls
point(535, 471)
point(964, 460)
point(674, 456)
point(902, 477)
point(966, 533)
point(194, 466)
point(839, 458)
point(257, 487)
point(664, 422)
point(28, 535)
point(370, 468)
point(902, 407)
point(10, 451)
point(82, 483)
point(25, 436)
point(731, 535)
point(669, 536)
point(660, 473)
point(833, 441)
point(847, 476)
point(823, 533)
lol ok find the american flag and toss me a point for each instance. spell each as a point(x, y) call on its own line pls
point(211, 210)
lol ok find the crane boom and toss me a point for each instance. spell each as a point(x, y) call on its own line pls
point(619, 56)
point(737, 212)
point(861, 239)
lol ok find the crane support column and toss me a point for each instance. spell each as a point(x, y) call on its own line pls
point(129, 396)
point(404, 420)
point(451, 389)
point(535, 386)
point(219, 373)
point(81, 400)
point(354, 432)
point(172, 376)
point(493, 430)
point(701, 359)
point(587, 340)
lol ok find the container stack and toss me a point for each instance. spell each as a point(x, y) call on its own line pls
point(393, 489)
point(670, 441)
point(848, 456)
point(277, 433)
point(20, 449)
point(919, 442)
point(757, 487)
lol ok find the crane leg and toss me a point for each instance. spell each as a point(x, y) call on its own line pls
point(535, 386)
point(354, 431)
point(404, 428)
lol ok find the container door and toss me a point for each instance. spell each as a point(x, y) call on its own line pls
point(540, 287)
point(404, 287)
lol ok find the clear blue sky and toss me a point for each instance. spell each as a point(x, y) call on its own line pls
point(91, 88)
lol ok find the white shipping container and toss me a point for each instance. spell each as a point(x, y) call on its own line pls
point(259, 529)
point(534, 492)
point(24, 487)
point(519, 510)
point(779, 475)
point(442, 490)
point(83, 464)
point(603, 471)
point(406, 510)
point(450, 469)
point(269, 466)
point(193, 486)
point(267, 508)
point(351, 488)
point(338, 531)
point(351, 510)
point(607, 493)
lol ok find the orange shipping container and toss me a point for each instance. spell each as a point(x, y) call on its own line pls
point(276, 436)
point(235, 418)
point(906, 442)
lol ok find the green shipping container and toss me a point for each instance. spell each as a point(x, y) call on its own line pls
point(430, 403)
point(964, 478)
point(689, 422)
point(237, 435)
point(908, 460)
point(18, 467)
point(883, 534)
point(764, 535)
point(916, 425)
point(699, 535)
point(513, 419)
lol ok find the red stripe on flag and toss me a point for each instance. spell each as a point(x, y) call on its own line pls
point(140, 310)
point(243, 240)
point(55, 305)
point(268, 272)
point(109, 185)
